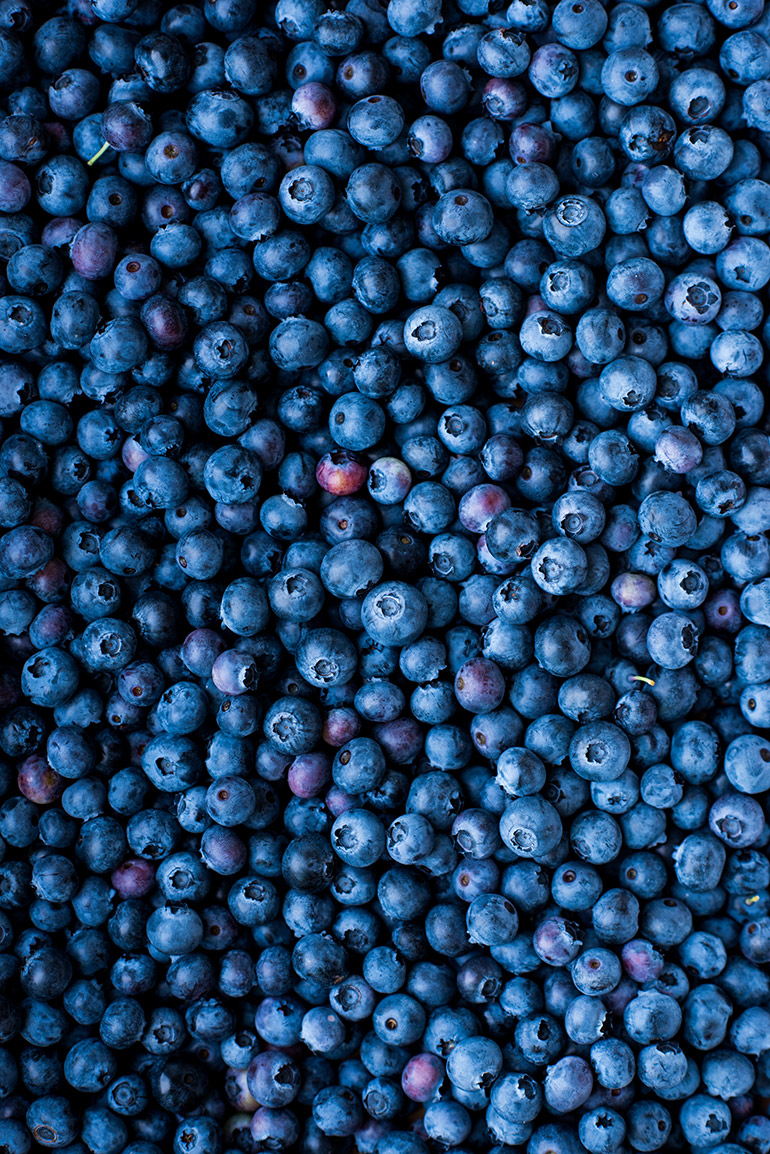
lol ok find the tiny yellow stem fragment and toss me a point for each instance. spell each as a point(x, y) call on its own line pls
point(638, 677)
point(752, 900)
point(96, 155)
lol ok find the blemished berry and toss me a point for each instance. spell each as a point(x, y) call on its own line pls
point(384, 577)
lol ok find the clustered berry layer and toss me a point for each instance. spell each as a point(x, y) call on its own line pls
point(384, 577)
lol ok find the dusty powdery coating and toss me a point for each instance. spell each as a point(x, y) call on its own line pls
point(384, 577)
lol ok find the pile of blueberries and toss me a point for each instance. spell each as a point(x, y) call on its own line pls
point(384, 577)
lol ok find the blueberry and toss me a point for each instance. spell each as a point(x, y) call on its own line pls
point(383, 475)
point(51, 1121)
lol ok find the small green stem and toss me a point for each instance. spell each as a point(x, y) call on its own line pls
point(96, 155)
